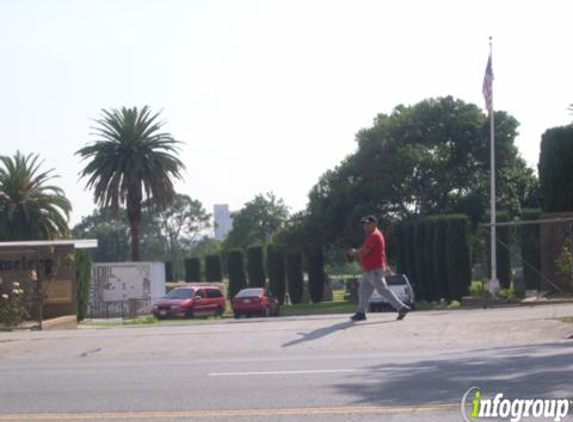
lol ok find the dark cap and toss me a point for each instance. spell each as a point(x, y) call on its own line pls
point(369, 219)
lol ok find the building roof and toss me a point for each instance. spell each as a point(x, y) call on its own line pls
point(78, 244)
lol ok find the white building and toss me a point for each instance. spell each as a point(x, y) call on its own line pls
point(223, 221)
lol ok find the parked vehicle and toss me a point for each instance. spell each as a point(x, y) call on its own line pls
point(401, 286)
point(255, 301)
point(189, 301)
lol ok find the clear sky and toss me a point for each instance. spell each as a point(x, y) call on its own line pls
point(267, 95)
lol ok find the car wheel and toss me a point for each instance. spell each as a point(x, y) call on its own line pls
point(277, 311)
point(189, 313)
point(219, 311)
point(236, 315)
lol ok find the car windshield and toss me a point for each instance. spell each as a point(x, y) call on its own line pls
point(180, 294)
point(396, 281)
point(250, 293)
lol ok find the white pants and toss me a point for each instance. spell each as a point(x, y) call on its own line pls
point(375, 280)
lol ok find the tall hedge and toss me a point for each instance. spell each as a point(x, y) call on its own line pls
point(555, 176)
point(83, 277)
point(410, 253)
point(429, 271)
point(169, 271)
point(401, 258)
point(421, 275)
point(192, 269)
point(213, 268)
point(237, 277)
point(276, 272)
point(531, 249)
point(439, 256)
point(316, 274)
point(255, 266)
point(458, 256)
point(295, 277)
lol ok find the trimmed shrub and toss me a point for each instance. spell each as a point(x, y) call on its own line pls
point(83, 277)
point(255, 266)
point(169, 271)
point(237, 277)
point(531, 249)
point(192, 269)
point(439, 254)
point(554, 168)
point(276, 272)
point(429, 272)
point(410, 253)
point(401, 259)
point(213, 269)
point(458, 256)
point(295, 277)
point(316, 274)
point(422, 277)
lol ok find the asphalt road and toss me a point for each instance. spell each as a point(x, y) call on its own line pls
point(288, 369)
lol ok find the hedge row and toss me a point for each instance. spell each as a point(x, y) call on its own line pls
point(285, 272)
point(435, 255)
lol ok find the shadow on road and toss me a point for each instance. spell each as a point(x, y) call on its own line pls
point(325, 331)
point(538, 371)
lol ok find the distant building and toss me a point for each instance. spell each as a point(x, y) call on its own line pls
point(223, 221)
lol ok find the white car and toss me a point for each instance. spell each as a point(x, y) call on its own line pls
point(401, 286)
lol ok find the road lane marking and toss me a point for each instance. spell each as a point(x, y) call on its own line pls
point(318, 371)
point(422, 408)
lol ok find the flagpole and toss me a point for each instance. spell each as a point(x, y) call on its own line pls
point(492, 186)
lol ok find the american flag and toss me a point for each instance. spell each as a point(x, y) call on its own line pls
point(487, 88)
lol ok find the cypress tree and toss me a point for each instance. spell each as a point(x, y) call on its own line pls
point(295, 277)
point(237, 277)
point(192, 269)
point(316, 274)
point(213, 269)
point(255, 267)
point(458, 261)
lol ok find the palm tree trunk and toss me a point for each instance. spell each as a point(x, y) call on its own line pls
point(134, 216)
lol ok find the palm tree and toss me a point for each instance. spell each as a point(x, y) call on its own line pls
point(131, 157)
point(30, 209)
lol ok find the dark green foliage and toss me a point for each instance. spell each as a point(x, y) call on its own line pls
point(410, 252)
point(439, 254)
point(169, 271)
point(316, 274)
point(295, 277)
point(255, 266)
point(276, 272)
point(531, 249)
point(429, 272)
point(421, 275)
point(237, 277)
point(458, 256)
point(213, 269)
point(192, 269)
point(400, 242)
point(555, 175)
point(83, 276)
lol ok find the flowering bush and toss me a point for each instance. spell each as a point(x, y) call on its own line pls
point(13, 307)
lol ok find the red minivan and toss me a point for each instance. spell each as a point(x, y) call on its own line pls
point(189, 301)
point(255, 301)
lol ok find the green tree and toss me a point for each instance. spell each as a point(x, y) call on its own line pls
point(257, 222)
point(30, 207)
point(111, 231)
point(180, 225)
point(425, 159)
point(131, 157)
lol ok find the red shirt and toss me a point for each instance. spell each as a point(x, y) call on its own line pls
point(376, 258)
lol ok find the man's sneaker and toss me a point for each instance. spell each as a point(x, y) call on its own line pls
point(358, 316)
point(402, 313)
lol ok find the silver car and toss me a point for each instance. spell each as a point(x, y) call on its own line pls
point(401, 287)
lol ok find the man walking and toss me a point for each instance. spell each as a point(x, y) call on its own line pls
point(372, 256)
